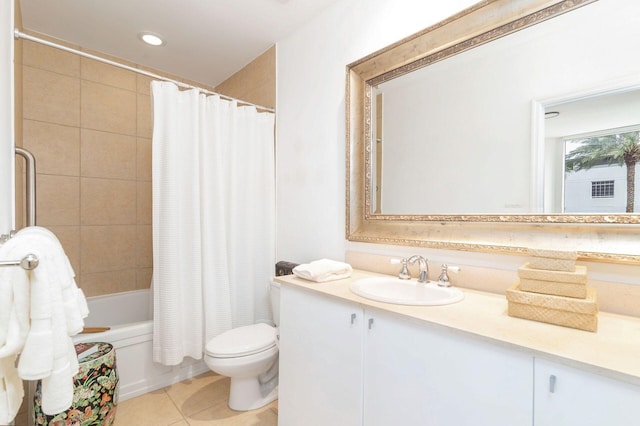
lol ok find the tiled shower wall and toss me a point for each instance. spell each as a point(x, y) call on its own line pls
point(89, 126)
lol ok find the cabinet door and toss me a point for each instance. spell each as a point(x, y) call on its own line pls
point(320, 360)
point(566, 396)
point(418, 374)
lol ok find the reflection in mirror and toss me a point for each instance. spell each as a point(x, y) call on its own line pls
point(591, 148)
point(454, 138)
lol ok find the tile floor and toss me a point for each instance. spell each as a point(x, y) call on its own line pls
point(201, 400)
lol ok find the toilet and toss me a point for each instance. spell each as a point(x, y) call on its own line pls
point(249, 356)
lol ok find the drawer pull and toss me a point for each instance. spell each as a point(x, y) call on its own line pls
point(370, 323)
point(353, 319)
point(552, 383)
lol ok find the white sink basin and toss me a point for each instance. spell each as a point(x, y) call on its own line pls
point(405, 292)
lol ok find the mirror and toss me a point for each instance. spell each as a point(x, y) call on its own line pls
point(448, 146)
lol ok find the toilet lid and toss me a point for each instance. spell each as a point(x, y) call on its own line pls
point(242, 341)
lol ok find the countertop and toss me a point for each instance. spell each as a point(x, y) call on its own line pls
point(613, 351)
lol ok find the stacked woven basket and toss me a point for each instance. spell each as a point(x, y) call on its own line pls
point(553, 289)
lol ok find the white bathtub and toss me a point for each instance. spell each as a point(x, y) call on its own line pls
point(129, 315)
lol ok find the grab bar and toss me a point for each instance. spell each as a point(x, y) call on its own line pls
point(30, 191)
point(28, 263)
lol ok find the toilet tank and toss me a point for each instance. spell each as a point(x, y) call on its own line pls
point(274, 294)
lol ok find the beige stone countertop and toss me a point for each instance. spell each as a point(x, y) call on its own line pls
point(614, 350)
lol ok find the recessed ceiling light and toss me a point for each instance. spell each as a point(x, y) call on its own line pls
point(150, 38)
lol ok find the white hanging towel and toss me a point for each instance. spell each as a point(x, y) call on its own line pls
point(14, 326)
point(323, 270)
point(55, 309)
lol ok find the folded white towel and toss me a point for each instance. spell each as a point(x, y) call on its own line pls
point(11, 390)
point(323, 270)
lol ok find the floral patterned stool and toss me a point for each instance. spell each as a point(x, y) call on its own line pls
point(95, 395)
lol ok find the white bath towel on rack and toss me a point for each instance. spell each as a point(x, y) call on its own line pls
point(56, 310)
point(14, 326)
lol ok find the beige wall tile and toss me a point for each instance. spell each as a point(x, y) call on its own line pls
point(145, 200)
point(47, 58)
point(55, 147)
point(99, 283)
point(108, 108)
point(50, 97)
point(69, 237)
point(107, 74)
point(144, 84)
point(144, 167)
point(108, 155)
point(58, 200)
point(255, 83)
point(145, 125)
point(107, 248)
point(143, 278)
point(107, 201)
point(144, 245)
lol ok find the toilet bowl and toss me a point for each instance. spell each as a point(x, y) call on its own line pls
point(248, 355)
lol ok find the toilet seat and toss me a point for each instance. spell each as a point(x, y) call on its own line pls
point(242, 341)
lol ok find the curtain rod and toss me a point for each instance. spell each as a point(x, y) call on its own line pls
point(18, 34)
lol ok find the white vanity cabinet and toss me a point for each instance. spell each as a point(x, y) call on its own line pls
point(341, 364)
point(418, 374)
point(320, 381)
point(566, 396)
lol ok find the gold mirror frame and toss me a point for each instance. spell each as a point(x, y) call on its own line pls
point(610, 237)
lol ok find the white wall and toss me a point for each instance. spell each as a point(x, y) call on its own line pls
point(311, 145)
point(6, 116)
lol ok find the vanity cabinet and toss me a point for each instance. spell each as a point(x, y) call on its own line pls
point(341, 364)
point(418, 374)
point(321, 343)
point(566, 396)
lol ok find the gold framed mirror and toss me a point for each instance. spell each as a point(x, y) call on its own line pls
point(521, 221)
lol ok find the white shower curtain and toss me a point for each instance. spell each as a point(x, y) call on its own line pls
point(213, 219)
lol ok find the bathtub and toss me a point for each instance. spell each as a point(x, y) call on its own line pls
point(129, 315)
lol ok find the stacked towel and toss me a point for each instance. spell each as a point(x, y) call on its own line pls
point(48, 308)
point(323, 270)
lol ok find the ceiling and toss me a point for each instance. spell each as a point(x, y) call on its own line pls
point(207, 41)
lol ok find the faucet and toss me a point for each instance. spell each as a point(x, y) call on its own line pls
point(404, 271)
point(443, 279)
point(424, 267)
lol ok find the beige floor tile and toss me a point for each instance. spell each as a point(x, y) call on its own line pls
point(199, 401)
point(224, 416)
point(151, 409)
point(199, 393)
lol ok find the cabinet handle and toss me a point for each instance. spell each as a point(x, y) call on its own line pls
point(353, 319)
point(370, 323)
point(552, 383)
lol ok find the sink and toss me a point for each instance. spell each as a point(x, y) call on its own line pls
point(405, 292)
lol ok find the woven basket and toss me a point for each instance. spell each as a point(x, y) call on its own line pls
point(556, 254)
point(552, 264)
point(578, 291)
point(565, 311)
point(579, 276)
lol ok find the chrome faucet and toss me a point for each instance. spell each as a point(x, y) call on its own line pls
point(424, 267)
point(443, 279)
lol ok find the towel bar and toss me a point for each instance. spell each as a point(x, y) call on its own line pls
point(29, 262)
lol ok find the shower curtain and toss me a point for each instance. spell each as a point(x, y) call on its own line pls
point(213, 218)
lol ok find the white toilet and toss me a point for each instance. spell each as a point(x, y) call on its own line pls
point(249, 356)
